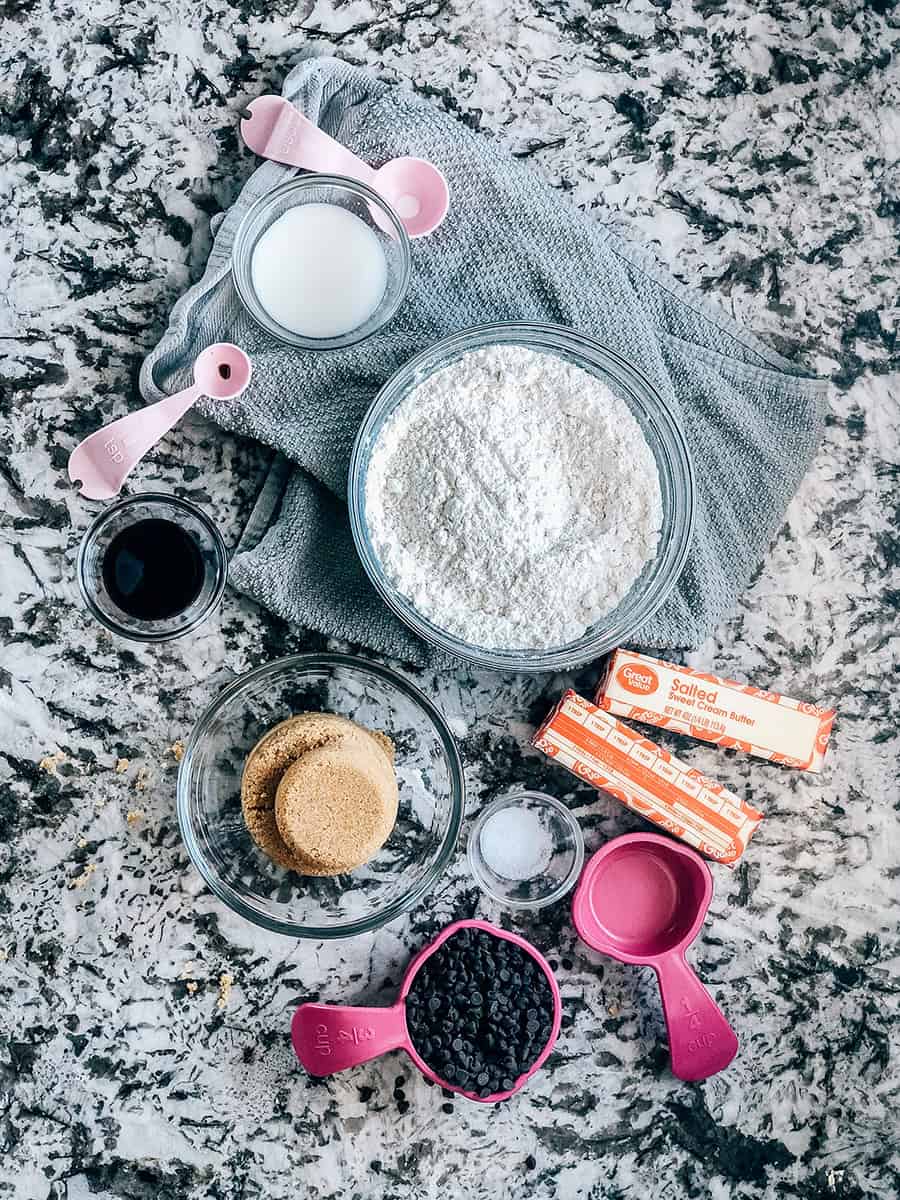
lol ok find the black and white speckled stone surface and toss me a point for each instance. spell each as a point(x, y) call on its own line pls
point(755, 147)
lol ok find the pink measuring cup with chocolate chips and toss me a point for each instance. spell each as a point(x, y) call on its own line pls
point(328, 1038)
point(642, 899)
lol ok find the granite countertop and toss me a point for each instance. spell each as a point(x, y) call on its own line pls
point(755, 149)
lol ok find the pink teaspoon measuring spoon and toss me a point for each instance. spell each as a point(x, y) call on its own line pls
point(642, 899)
point(105, 459)
point(415, 189)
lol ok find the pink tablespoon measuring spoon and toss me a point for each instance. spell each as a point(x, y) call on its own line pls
point(105, 459)
point(642, 899)
point(415, 189)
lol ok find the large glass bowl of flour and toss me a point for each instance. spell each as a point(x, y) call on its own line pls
point(521, 497)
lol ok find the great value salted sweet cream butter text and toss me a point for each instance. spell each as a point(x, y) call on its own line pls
point(734, 715)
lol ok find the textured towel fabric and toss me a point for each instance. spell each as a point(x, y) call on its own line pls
point(511, 248)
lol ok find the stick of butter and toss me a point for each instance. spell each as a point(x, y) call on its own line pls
point(647, 778)
point(735, 716)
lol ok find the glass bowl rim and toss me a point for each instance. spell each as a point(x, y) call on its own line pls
point(396, 908)
point(550, 337)
point(569, 819)
point(240, 258)
point(219, 549)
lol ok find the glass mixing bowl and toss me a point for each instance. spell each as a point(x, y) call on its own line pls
point(429, 774)
point(556, 840)
point(151, 506)
point(664, 436)
point(358, 199)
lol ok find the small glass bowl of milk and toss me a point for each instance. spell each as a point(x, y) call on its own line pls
point(321, 262)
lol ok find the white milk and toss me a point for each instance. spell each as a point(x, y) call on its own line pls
point(319, 271)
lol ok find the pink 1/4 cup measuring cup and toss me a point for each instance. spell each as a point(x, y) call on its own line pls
point(105, 458)
point(414, 188)
point(332, 1037)
point(642, 899)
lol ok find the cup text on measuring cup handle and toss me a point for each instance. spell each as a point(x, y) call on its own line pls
point(703, 1042)
point(322, 1043)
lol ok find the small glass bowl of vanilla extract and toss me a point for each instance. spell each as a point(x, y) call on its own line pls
point(152, 567)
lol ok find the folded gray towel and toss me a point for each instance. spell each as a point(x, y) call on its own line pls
point(511, 248)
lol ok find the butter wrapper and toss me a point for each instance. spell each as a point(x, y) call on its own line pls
point(733, 715)
point(596, 747)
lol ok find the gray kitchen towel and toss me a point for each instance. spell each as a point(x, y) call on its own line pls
point(511, 248)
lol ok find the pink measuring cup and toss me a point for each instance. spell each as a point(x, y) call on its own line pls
point(104, 460)
point(415, 189)
point(642, 899)
point(332, 1037)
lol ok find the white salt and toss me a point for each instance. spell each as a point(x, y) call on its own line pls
point(515, 844)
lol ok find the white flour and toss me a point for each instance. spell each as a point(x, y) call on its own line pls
point(513, 499)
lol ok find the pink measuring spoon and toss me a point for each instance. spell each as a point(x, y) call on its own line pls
point(329, 1038)
point(642, 899)
point(415, 189)
point(105, 459)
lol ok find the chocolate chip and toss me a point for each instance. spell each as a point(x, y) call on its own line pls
point(479, 1012)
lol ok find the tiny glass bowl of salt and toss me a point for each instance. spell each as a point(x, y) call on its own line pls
point(321, 262)
point(526, 850)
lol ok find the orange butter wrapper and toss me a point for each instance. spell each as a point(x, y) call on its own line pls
point(733, 715)
point(648, 779)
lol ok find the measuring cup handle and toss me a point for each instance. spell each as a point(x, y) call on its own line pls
point(331, 1037)
point(701, 1041)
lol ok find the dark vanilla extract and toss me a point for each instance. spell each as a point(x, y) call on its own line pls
point(153, 569)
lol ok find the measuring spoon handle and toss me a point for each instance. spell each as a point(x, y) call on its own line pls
point(701, 1041)
point(331, 1037)
point(276, 130)
point(105, 458)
